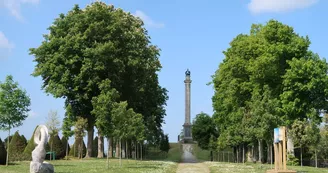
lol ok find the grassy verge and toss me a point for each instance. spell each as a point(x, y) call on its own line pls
point(99, 166)
point(200, 154)
point(219, 167)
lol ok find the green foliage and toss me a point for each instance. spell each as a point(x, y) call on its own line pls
point(64, 145)
point(66, 127)
point(164, 143)
point(57, 146)
point(268, 78)
point(17, 146)
point(292, 160)
point(203, 129)
point(126, 123)
point(14, 103)
point(115, 46)
point(3, 153)
point(30, 146)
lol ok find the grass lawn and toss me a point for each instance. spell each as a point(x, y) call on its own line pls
point(220, 167)
point(98, 165)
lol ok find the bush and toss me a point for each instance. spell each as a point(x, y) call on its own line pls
point(30, 147)
point(16, 149)
point(292, 160)
point(75, 152)
point(3, 153)
point(64, 145)
point(57, 146)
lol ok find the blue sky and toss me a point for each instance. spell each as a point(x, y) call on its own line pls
point(191, 34)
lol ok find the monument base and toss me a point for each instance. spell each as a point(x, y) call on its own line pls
point(280, 171)
point(187, 133)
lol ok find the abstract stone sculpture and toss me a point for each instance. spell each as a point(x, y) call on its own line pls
point(37, 164)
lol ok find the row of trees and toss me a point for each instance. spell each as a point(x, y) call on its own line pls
point(268, 78)
point(100, 60)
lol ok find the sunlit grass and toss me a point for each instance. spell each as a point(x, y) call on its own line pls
point(99, 165)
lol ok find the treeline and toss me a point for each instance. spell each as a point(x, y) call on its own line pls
point(269, 78)
point(101, 61)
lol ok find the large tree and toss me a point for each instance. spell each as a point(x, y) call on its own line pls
point(14, 106)
point(85, 47)
point(202, 129)
point(268, 78)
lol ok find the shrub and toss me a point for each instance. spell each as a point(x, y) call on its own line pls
point(57, 146)
point(30, 147)
point(64, 145)
point(3, 153)
point(16, 149)
point(292, 160)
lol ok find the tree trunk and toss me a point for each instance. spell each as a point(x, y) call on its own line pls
point(237, 151)
point(67, 150)
point(110, 147)
point(141, 150)
point(301, 157)
point(117, 152)
point(135, 151)
point(126, 150)
point(290, 144)
point(100, 146)
point(120, 153)
point(7, 161)
point(271, 156)
point(260, 151)
point(316, 159)
point(90, 141)
point(243, 153)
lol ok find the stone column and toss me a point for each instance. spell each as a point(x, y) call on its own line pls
point(187, 124)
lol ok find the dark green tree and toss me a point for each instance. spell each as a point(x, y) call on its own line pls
point(30, 146)
point(65, 146)
point(202, 129)
point(57, 146)
point(95, 147)
point(17, 146)
point(14, 106)
point(164, 143)
point(3, 153)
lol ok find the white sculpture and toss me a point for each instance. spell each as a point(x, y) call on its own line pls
point(37, 164)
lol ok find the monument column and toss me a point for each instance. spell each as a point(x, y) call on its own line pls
point(187, 124)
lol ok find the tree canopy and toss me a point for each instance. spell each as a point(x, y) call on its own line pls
point(268, 78)
point(86, 47)
point(203, 129)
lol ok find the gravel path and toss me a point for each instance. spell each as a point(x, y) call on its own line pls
point(189, 162)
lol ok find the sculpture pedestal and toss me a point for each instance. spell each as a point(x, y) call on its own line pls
point(187, 133)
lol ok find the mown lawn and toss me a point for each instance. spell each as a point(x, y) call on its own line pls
point(220, 167)
point(99, 165)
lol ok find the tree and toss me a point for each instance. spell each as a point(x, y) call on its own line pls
point(305, 133)
point(126, 123)
point(165, 144)
point(57, 146)
point(65, 146)
point(14, 106)
point(79, 131)
point(67, 133)
point(53, 125)
point(95, 147)
point(202, 129)
point(74, 59)
point(3, 153)
point(268, 78)
point(30, 146)
point(17, 146)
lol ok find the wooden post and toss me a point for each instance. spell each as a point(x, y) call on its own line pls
point(284, 149)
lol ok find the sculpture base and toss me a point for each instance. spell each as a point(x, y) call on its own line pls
point(280, 171)
point(187, 133)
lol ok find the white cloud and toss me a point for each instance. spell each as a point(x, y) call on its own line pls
point(278, 6)
point(32, 114)
point(147, 20)
point(14, 6)
point(5, 45)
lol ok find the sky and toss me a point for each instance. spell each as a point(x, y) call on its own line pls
point(190, 34)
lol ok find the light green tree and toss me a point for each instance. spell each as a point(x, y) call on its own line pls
point(14, 106)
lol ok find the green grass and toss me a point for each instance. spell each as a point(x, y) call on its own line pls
point(220, 167)
point(200, 154)
point(173, 155)
point(99, 166)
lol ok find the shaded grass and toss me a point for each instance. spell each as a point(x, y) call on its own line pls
point(99, 165)
point(174, 154)
point(200, 154)
point(220, 167)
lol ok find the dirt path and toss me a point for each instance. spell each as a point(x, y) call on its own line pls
point(189, 163)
